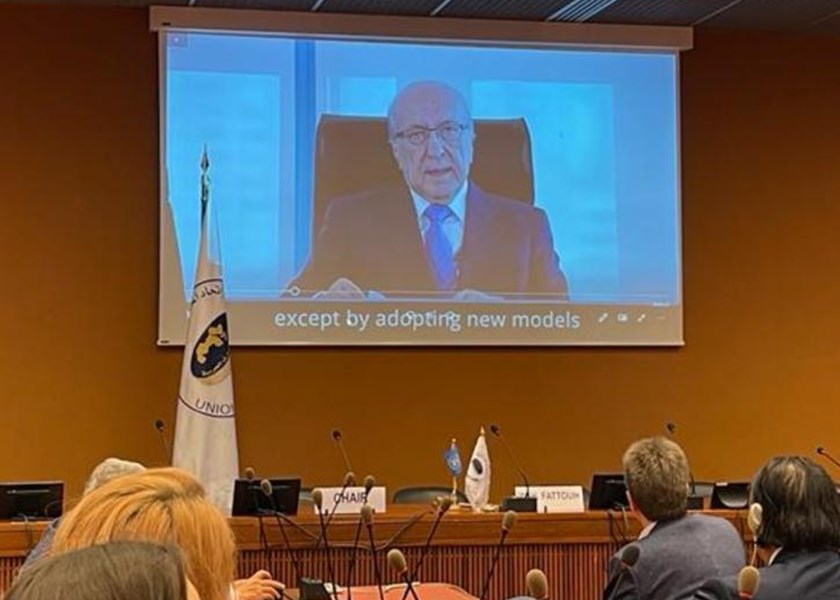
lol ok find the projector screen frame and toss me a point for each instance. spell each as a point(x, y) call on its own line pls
point(402, 29)
point(437, 30)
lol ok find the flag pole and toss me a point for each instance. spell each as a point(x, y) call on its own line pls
point(454, 495)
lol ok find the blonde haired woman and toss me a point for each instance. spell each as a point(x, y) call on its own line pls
point(168, 506)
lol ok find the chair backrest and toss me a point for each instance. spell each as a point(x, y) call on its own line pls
point(352, 154)
point(424, 494)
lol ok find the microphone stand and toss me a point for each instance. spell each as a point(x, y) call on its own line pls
point(528, 503)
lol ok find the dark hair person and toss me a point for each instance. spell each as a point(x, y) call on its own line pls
point(113, 571)
point(795, 515)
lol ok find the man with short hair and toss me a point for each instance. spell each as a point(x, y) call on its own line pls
point(796, 514)
point(443, 234)
point(678, 551)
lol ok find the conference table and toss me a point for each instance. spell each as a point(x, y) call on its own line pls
point(573, 549)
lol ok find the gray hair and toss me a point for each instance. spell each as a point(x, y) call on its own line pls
point(110, 469)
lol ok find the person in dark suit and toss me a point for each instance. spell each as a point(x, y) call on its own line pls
point(678, 551)
point(443, 234)
point(795, 514)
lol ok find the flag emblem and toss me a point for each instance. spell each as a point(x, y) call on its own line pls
point(211, 353)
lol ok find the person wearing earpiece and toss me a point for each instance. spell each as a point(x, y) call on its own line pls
point(795, 516)
point(677, 551)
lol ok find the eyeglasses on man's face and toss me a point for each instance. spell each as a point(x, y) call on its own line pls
point(449, 133)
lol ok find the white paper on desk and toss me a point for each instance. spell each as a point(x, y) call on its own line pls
point(554, 498)
point(352, 500)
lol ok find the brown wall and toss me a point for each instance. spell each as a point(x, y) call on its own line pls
point(82, 378)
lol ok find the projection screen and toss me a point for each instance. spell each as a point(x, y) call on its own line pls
point(373, 184)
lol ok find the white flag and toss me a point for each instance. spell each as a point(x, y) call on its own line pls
point(477, 483)
point(205, 431)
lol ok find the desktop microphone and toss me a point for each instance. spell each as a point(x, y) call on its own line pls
point(396, 560)
point(508, 521)
point(823, 452)
point(318, 500)
point(369, 483)
point(628, 559)
point(528, 503)
point(268, 490)
point(444, 503)
point(349, 481)
point(441, 506)
point(336, 435)
point(537, 584)
point(695, 502)
point(255, 502)
point(367, 519)
point(250, 474)
point(748, 579)
point(160, 425)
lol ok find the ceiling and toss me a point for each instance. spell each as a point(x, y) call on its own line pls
point(804, 16)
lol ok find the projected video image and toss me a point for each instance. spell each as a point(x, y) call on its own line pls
point(417, 193)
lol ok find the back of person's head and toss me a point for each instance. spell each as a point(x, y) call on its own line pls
point(114, 571)
point(109, 469)
point(800, 509)
point(158, 505)
point(657, 475)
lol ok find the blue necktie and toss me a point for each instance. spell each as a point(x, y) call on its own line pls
point(438, 248)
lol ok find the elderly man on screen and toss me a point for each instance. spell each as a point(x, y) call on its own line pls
point(443, 235)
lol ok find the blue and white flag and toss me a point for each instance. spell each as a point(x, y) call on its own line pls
point(477, 482)
point(453, 459)
point(205, 430)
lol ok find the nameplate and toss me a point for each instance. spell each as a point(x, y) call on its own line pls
point(351, 500)
point(554, 498)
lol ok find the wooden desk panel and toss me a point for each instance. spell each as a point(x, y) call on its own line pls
point(572, 549)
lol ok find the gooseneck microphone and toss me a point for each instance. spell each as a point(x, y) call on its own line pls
point(825, 453)
point(369, 483)
point(268, 490)
point(628, 559)
point(255, 503)
point(528, 503)
point(444, 503)
point(318, 499)
point(537, 584)
point(694, 501)
point(396, 560)
point(496, 430)
point(367, 518)
point(508, 521)
point(349, 481)
point(339, 441)
point(748, 579)
point(160, 425)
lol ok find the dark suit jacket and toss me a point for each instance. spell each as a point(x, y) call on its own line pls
point(792, 576)
point(373, 239)
point(677, 557)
